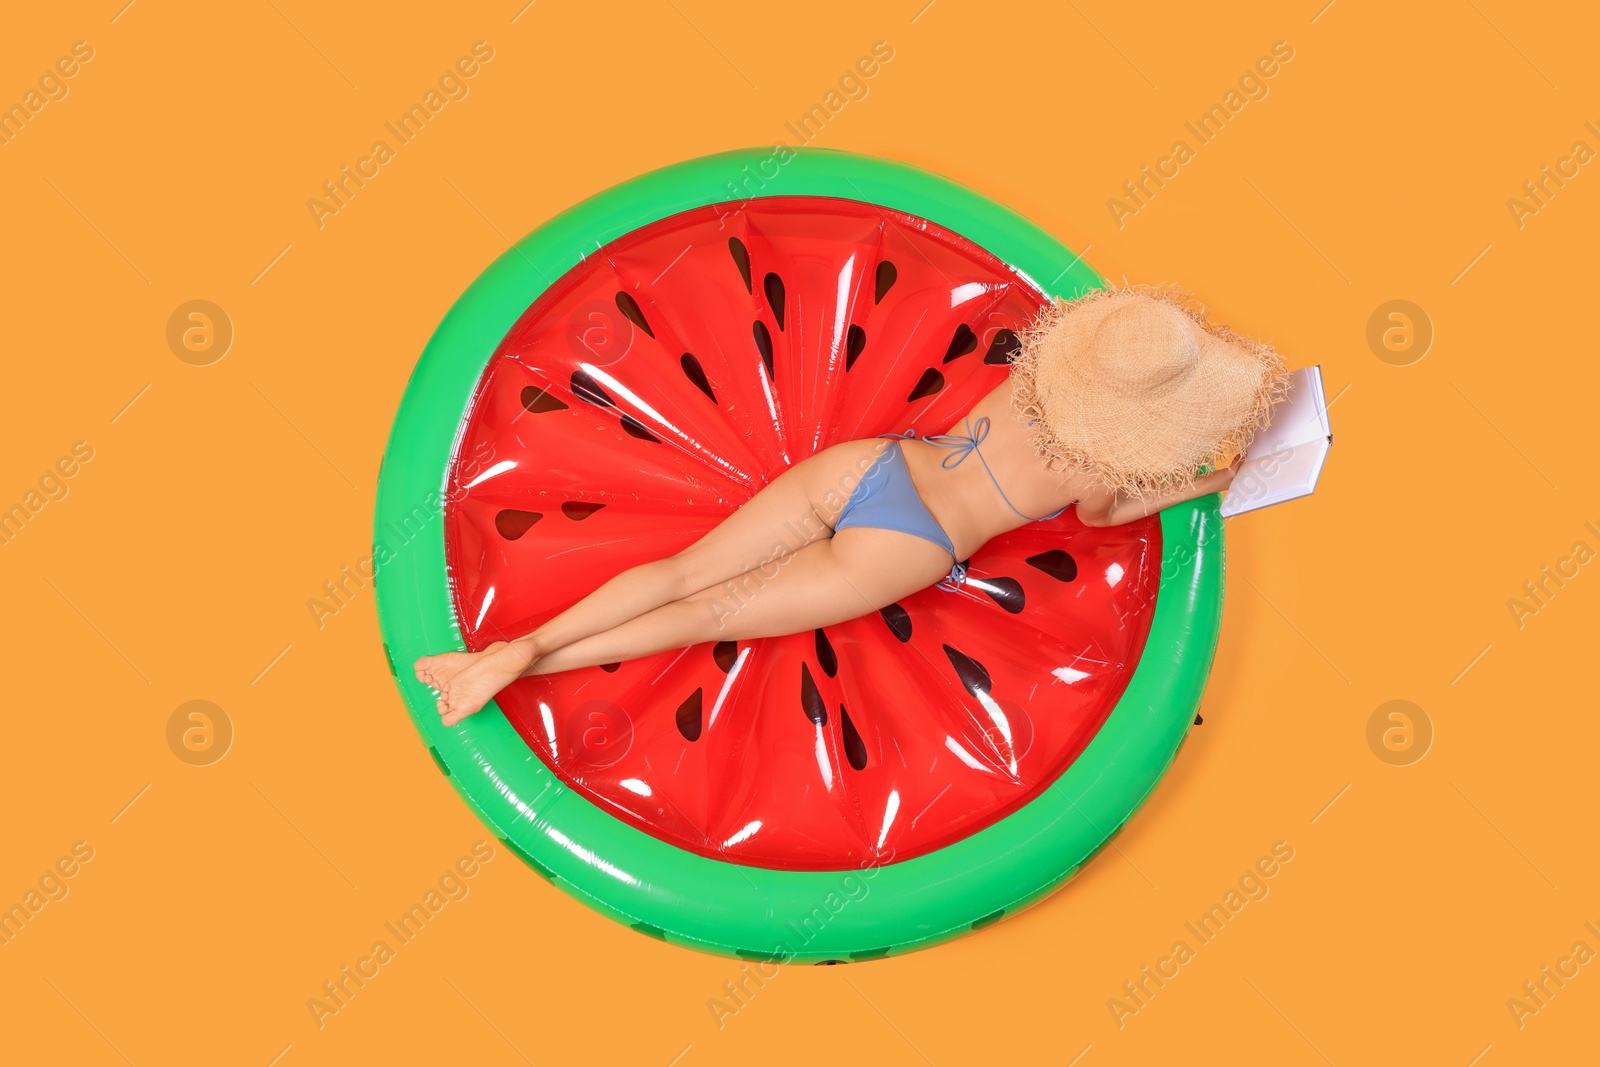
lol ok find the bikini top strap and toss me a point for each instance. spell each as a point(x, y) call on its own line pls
point(977, 434)
point(959, 447)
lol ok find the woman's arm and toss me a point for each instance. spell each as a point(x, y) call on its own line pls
point(1114, 510)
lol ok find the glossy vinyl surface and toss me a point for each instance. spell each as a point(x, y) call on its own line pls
point(659, 385)
point(603, 858)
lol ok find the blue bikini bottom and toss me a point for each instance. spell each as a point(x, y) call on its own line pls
point(886, 499)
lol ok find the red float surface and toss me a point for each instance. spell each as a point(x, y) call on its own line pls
point(661, 383)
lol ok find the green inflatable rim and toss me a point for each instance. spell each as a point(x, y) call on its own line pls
point(747, 912)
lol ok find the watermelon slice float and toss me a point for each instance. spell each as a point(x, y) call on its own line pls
point(622, 380)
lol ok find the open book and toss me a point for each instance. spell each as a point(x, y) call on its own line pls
point(1284, 460)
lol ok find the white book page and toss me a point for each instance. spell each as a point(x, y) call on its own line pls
point(1287, 456)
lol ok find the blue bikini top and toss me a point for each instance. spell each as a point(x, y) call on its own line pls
point(960, 448)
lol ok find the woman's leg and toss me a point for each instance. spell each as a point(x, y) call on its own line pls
point(796, 509)
point(856, 572)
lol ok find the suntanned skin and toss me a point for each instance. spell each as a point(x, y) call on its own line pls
point(775, 566)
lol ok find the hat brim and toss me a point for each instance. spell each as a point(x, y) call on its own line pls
point(1138, 443)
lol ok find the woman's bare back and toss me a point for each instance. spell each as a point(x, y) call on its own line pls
point(962, 497)
point(965, 501)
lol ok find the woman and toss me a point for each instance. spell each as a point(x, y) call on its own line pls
point(1114, 402)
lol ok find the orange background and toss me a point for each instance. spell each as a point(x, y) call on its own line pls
point(180, 562)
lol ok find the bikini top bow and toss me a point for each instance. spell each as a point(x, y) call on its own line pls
point(961, 447)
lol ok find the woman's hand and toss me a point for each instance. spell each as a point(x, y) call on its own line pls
point(1218, 480)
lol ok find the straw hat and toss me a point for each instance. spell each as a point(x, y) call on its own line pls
point(1135, 386)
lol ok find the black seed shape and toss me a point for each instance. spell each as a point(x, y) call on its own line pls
point(741, 258)
point(1007, 592)
point(635, 428)
point(1198, 721)
point(811, 701)
point(930, 382)
point(610, 668)
point(974, 677)
point(870, 953)
point(696, 374)
point(826, 655)
point(898, 620)
point(885, 280)
point(544, 872)
point(630, 308)
point(651, 931)
point(538, 401)
point(725, 652)
point(578, 510)
point(829, 963)
point(992, 917)
point(1004, 347)
point(439, 761)
point(855, 341)
point(512, 523)
point(772, 285)
point(855, 750)
point(584, 387)
point(763, 343)
point(1056, 563)
point(963, 342)
point(690, 718)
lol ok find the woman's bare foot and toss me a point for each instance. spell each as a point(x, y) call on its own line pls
point(435, 671)
point(466, 681)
